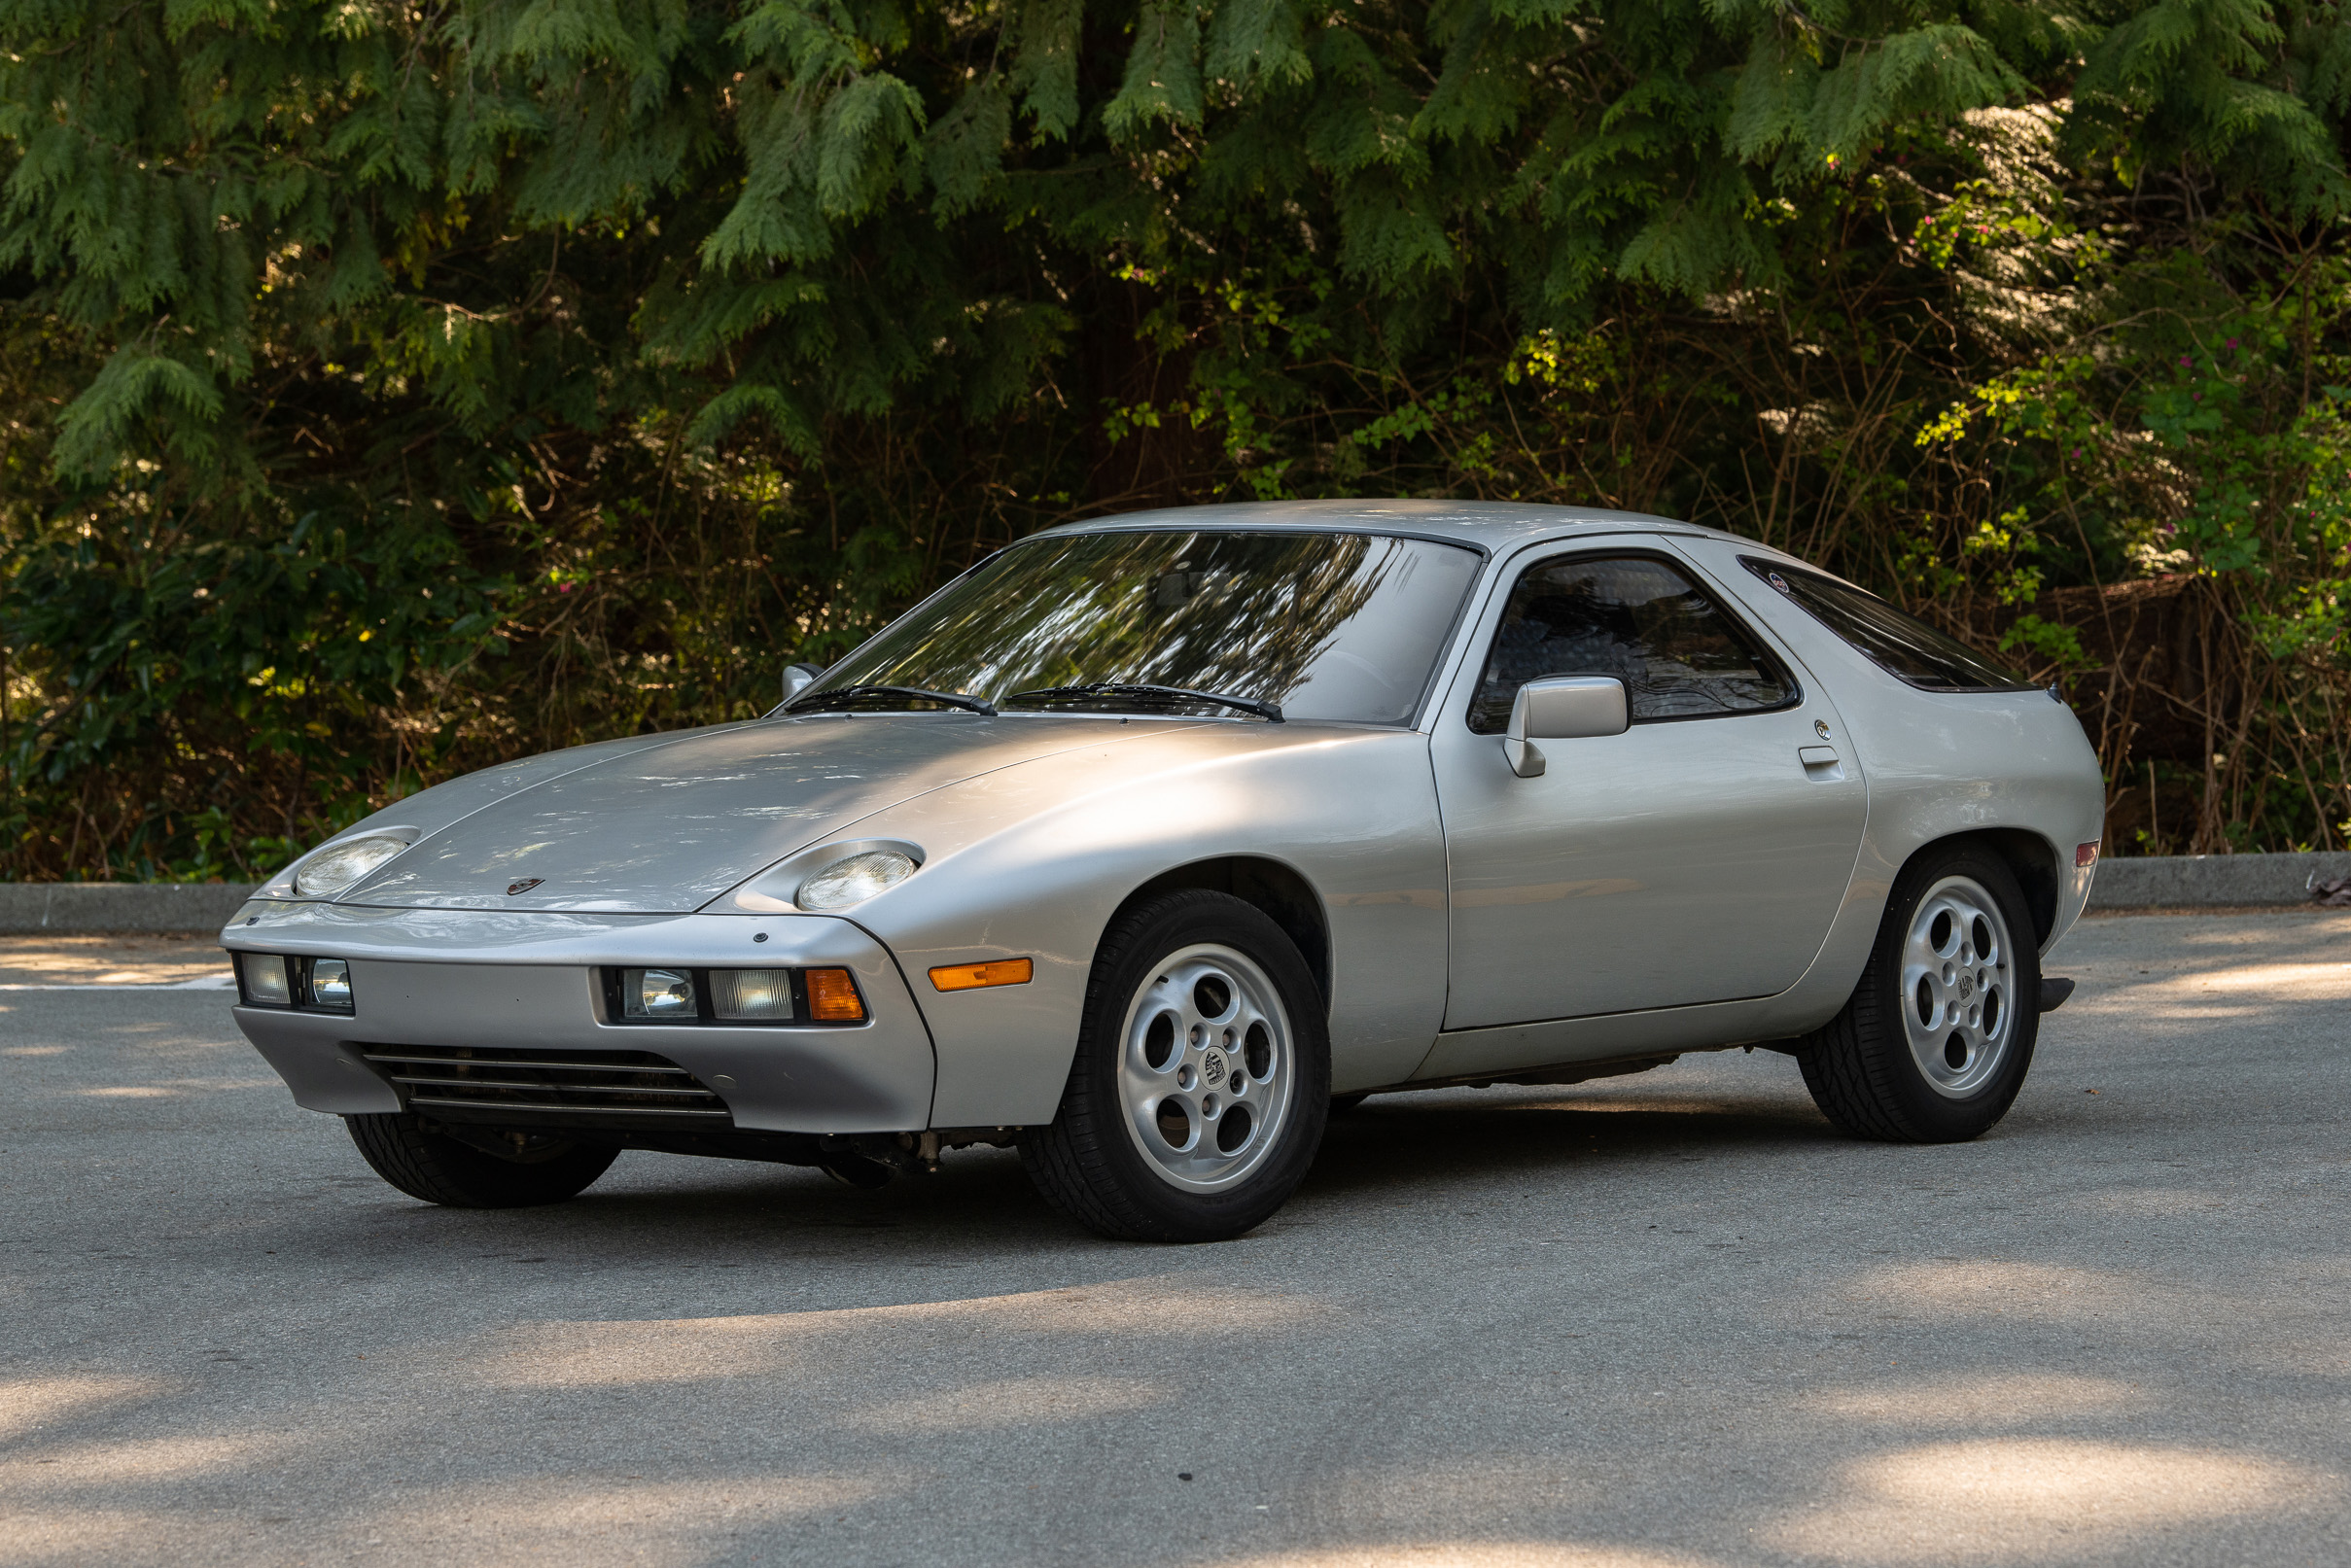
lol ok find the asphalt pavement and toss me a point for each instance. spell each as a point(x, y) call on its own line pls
point(1669, 1319)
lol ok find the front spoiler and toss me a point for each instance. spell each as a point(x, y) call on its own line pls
point(495, 980)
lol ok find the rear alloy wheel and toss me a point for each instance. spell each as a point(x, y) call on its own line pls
point(1934, 1044)
point(424, 1162)
point(1200, 1082)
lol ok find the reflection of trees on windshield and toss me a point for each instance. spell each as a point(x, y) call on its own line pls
point(1251, 615)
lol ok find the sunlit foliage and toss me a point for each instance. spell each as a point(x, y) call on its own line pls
point(393, 387)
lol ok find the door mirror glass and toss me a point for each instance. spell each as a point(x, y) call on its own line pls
point(798, 678)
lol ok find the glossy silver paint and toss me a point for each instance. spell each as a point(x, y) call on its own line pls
point(526, 979)
point(1675, 886)
point(1036, 860)
point(670, 828)
point(1569, 708)
point(1562, 708)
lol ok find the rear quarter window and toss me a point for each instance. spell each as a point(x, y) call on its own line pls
point(1902, 645)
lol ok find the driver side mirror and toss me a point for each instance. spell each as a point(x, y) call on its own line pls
point(1562, 708)
point(798, 678)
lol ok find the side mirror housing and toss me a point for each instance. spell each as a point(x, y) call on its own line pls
point(798, 678)
point(1563, 708)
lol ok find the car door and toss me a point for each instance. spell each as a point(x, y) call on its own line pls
point(1698, 856)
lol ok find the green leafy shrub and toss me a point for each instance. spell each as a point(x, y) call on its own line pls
point(395, 388)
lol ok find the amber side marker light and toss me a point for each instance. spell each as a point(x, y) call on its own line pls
point(2085, 854)
point(832, 997)
point(973, 976)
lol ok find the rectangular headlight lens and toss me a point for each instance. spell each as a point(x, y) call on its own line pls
point(663, 993)
point(750, 996)
point(262, 977)
point(329, 986)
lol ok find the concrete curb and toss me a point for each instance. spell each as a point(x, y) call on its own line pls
point(2212, 881)
point(119, 906)
point(2168, 881)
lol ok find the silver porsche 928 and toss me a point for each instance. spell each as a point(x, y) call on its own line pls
point(1147, 843)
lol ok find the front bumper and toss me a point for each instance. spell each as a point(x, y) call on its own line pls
point(493, 981)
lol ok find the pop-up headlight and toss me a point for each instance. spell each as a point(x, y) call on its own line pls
point(337, 867)
point(854, 880)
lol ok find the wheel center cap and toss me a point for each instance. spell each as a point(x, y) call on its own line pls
point(1967, 987)
point(1212, 1066)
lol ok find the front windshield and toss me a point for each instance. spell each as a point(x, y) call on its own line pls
point(1330, 626)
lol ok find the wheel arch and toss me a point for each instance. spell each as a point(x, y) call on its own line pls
point(2028, 855)
point(1277, 890)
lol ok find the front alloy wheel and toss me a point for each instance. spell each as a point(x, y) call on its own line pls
point(1207, 1072)
point(1202, 1078)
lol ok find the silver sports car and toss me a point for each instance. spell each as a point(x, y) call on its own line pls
point(1147, 844)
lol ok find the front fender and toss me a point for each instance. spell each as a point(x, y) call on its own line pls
point(1034, 861)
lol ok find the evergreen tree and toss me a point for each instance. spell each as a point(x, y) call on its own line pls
point(400, 386)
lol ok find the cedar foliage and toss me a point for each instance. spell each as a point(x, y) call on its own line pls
point(391, 387)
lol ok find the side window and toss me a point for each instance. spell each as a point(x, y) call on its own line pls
point(1634, 618)
point(1902, 646)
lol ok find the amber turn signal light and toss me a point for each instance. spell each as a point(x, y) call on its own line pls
point(973, 976)
point(832, 997)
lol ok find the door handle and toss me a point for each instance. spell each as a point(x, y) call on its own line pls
point(1820, 764)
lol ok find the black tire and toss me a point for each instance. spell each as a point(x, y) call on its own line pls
point(1087, 1164)
point(433, 1165)
point(1861, 1065)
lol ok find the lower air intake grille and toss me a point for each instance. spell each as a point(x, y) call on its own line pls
point(469, 1084)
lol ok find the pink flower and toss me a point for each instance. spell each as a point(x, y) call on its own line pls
point(2233, 342)
point(565, 588)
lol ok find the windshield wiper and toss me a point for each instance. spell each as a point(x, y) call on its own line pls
point(1129, 688)
point(816, 701)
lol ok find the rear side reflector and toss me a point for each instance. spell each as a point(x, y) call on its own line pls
point(973, 976)
point(832, 997)
point(2086, 854)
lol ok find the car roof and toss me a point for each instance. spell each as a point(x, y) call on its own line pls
point(1487, 524)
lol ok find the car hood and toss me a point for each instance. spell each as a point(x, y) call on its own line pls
point(664, 828)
